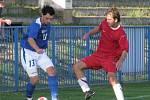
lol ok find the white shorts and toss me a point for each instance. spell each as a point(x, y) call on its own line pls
point(31, 61)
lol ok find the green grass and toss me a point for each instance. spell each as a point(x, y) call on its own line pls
point(132, 91)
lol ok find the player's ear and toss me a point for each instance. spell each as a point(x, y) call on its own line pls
point(116, 20)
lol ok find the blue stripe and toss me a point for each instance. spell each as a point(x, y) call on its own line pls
point(84, 81)
point(24, 55)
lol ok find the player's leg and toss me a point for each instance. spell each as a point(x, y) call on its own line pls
point(29, 64)
point(45, 63)
point(82, 80)
point(31, 87)
point(53, 82)
point(109, 66)
point(89, 62)
point(79, 72)
point(116, 86)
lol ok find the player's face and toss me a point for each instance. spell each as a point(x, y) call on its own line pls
point(46, 19)
point(111, 21)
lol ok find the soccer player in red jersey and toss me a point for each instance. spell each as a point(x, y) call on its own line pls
point(110, 54)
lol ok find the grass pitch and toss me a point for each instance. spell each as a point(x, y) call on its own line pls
point(132, 91)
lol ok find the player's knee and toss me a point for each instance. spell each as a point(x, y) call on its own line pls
point(79, 66)
point(75, 67)
point(34, 80)
point(113, 80)
point(51, 71)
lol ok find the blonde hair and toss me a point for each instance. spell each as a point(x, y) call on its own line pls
point(115, 13)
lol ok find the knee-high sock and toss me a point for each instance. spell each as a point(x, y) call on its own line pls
point(83, 84)
point(30, 90)
point(53, 85)
point(118, 91)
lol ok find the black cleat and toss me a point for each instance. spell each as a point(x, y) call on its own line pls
point(89, 94)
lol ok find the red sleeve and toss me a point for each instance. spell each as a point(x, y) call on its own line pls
point(101, 24)
point(123, 42)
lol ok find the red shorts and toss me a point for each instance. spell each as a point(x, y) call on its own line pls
point(94, 61)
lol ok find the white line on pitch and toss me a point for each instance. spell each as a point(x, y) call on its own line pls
point(133, 98)
point(138, 97)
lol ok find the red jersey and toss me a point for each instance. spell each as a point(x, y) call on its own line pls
point(111, 42)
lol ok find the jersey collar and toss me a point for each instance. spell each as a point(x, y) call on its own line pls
point(115, 28)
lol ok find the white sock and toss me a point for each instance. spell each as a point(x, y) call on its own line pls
point(83, 84)
point(29, 99)
point(54, 97)
point(118, 91)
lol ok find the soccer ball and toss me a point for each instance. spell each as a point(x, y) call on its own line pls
point(42, 98)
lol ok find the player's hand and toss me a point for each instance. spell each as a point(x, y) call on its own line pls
point(40, 51)
point(8, 21)
point(85, 36)
point(119, 64)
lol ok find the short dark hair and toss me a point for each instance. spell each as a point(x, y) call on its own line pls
point(48, 9)
point(115, 13)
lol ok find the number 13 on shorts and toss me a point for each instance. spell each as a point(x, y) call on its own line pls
point(31, 63)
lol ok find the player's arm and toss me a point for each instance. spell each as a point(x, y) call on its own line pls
point(93, 31)
point(7, 21)
point(32, 34)
point(34, 45)
point(123, 42)
point(123, 56)
point(2, 20)
point(121, 59)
